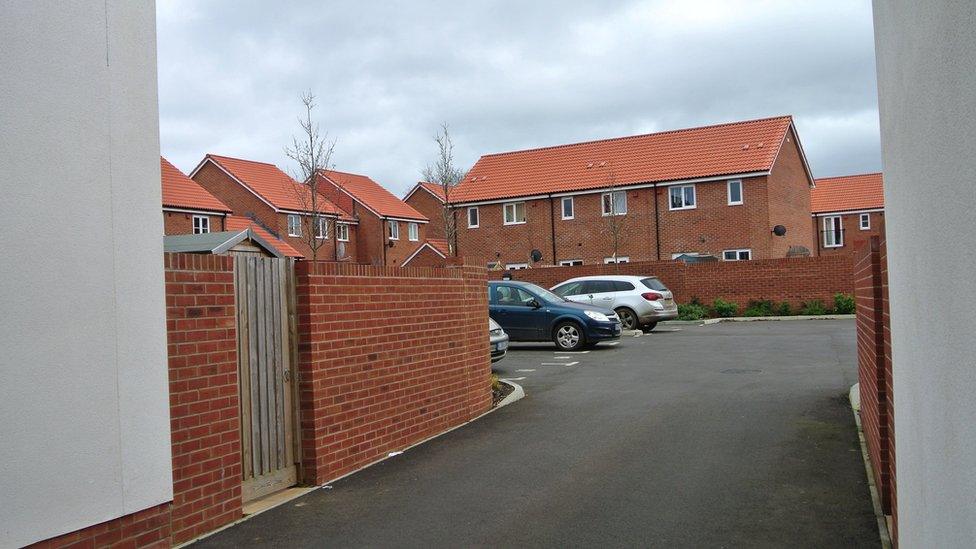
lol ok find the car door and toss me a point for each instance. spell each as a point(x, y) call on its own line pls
point(512, 308)
point(574, 291)
point(602, 293)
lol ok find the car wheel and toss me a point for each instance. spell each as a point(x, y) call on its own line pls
point(628, 319)
point(568, 336)
point(649, 327)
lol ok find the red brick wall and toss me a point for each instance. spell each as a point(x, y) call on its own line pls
point(401, 249)
point(146, 528)
point(204, 407)
point(427, 258)
point(853, 235)
point(182, 223)
point(874, 368)
point(388, 357)
point(430, 206)
point(789, 200)
point(788, 279)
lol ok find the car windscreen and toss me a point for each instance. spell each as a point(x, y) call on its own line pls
point(545, 294)
point(654, 284)
point(570, 288)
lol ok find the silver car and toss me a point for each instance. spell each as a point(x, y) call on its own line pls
point(639, 301)
point(498, 340)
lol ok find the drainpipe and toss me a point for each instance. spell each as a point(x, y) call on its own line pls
point(657, 226)
point(383, 223)
point(552, 226)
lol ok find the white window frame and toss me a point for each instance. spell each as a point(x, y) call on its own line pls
point(477, 217)
point(413, 232)
point(684, 206)
point(728, 188)
point(516, 266)
point(738, 254)
point(321, 228)
point(838, 241)
point(201, 224)
point(514, 206)
point(392, 229)
point(572, 207)
point(862, 225)
point(342, 232)
point(618, 259)
point(613, 203)
point(570, 262)
point(297, 219)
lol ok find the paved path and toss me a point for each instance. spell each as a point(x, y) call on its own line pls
point(731, 435)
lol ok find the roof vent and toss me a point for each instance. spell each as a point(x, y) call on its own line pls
point(474, 178)
point(602, 164)
point(590, 165)
point(759, 146)
point(745, 147)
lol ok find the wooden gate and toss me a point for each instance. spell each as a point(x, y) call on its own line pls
point(265, 295)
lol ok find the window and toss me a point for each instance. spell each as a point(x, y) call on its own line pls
point(598, 287)
point(321, 228)
point(614, 203)
point(342, 232)
point(679, 254)
point(833, 232)
point(393, 230)
point(516, 266)
point(511, 296)
point(621, 286)
point(569, 208)
point(413, 232)
point(735, 192)
point(654, 283)
point(682, 197)
point(571, 288)
point(514, 213)
point(865, 222)
point(294, 225)
point(618, 259)
point(473, 217)
point(201, 224)
point(570, 262)
point(737, 255)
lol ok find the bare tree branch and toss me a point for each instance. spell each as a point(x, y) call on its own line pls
point(615, 220)
point(443, 172)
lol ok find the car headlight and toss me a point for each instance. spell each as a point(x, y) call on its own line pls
point(495, 332)
point(599, 317)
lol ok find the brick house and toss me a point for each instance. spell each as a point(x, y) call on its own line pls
point(389, 229)
point(428, 199)
point(846, 210)
point(187, 207)
point(279, 205)
point(716, 190)
point(432, 253)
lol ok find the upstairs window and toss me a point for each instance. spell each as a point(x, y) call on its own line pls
point(321, 228)
point(570, 262)
point(865, 221)
point(413, 232)
point(614, 203)
point(515, 213)
point(473, 217)
point(569, 208)
point(393, 230)
point(342, 232)
point(833, 232)
point(294, 225)
point(737, 255)
point(735, 192)
point(201, 224)
point(682, 197)
point(618, 259)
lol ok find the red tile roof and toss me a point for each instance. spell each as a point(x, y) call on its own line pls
point(724, 149)
point(372, 195)
point(849, 192)
point(435, 189)
point(239, 223)
point(179, 191)
point(274, 186)
point(440, 245)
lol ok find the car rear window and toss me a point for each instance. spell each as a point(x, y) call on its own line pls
point(654, 284)
point(621, 286)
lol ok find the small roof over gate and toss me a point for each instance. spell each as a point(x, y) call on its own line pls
point(215, 243)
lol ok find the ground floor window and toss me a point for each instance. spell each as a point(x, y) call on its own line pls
point(516, 266)
point(570, 262)
point(617, 259)
point(342, 232)
point(737, 255)
point(201, 224)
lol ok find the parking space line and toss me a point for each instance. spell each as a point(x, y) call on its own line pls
point(560, 363)
point(560, 357)
point(576, 352)
point(526, 370)
point(614, 343)
point(513, 378)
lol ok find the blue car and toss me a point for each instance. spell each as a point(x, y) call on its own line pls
point(530, 313)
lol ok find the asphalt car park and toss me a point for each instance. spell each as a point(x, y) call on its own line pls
point(729, 435)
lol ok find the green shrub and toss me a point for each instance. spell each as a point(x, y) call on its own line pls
point(691, 311)
point(759, 307)
point(724, 309)
point(784, 309)
point(843, 304)
point(812, 307)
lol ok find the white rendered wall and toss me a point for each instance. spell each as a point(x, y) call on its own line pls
point(927, 87)
point(84, 436)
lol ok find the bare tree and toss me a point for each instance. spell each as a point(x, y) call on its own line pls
point(615, 213)
point(443, 172)
point(312, 151)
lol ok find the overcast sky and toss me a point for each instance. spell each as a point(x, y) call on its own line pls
point(509, 75)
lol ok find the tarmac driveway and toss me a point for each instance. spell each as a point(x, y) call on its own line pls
point(730, 435)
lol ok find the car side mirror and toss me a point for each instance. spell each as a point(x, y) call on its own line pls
point(534, 303)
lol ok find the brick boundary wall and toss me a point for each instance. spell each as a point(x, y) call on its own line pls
point(789, 279)
point(874, 368)
point(388, 356)
point(146, 528)
point(204, 407)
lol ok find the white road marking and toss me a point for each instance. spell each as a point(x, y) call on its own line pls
point(614, 343)
point(560, 357)
point(576, 352)
point(526, 370)
point(560, 363)
point(513, 378)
